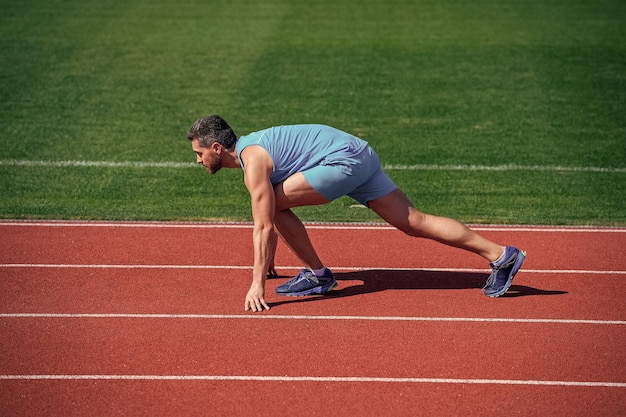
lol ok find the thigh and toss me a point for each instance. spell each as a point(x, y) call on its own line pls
point(359, 177)
point(377, 186)
point(397, 210)
point(333, 180)
point(296, 191)
point(375, 183)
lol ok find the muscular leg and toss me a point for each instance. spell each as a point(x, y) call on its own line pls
point(397, 210)
point(293, 192)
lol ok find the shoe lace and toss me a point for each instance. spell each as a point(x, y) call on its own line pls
point(304, 274)
point(496, 268)
point(492, 278)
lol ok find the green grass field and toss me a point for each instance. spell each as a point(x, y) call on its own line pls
point(96, 94)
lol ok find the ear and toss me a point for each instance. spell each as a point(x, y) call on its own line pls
point(216, 147)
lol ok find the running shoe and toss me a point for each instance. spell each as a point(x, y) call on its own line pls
point(502, 272)
point(306, 283)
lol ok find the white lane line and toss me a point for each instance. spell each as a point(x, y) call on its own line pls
point(117, 266)
point(392, 167)
point(96, 164)
point(309, 225)
point(337, 379)
point(500, 168)
point(288, 317)
point(288, 268)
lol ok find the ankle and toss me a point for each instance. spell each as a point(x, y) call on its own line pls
point(319, 272)
point(500, 256)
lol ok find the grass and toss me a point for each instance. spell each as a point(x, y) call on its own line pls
point(425, 82)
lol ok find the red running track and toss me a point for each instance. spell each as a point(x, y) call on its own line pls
point(130, 319)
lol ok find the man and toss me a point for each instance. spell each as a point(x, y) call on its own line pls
point(301, 165)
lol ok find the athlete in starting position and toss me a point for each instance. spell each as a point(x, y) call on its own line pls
point(303, 165)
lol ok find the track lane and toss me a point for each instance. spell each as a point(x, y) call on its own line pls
point(193, 398)
point(319, 348)
point(366, 293)
point(383, 247)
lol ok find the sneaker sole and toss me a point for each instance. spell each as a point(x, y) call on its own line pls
point(518, 263)
point(315, 290)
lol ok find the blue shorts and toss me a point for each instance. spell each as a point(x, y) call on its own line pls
point(362, 179)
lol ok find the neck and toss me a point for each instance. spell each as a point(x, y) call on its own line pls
point(230, 159)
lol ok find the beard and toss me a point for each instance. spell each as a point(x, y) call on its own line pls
point(214, 166)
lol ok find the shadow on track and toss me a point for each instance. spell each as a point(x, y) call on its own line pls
point(375, 280)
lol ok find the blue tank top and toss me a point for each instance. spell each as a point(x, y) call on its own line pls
point(297, 148)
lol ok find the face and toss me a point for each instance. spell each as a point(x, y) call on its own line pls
point(209, 157)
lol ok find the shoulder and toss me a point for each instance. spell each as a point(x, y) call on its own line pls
point(255, 157)
point(245, 141)
point(251, 138)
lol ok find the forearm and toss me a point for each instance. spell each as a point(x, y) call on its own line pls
point(264, 241)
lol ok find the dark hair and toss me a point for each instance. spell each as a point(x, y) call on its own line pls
point(211, 129)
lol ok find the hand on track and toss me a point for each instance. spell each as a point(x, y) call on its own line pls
point(254, 299)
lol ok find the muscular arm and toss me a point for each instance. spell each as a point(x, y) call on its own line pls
point(257, 171)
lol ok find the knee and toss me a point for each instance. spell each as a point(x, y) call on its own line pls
point(281, 202)
point(414, 224)
point(280, 206)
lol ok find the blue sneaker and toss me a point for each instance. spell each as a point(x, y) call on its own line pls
point(502, 273)
point(306, 283)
